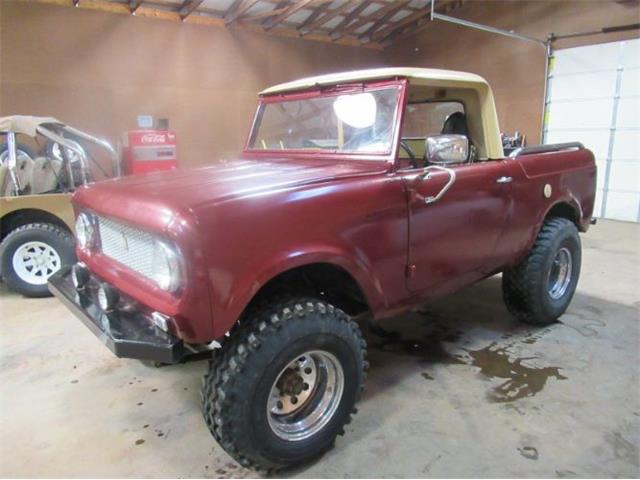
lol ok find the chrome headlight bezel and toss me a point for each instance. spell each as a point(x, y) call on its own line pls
point(86, 234)
point(167, 266)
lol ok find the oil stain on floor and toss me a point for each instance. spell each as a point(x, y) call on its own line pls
point(521, 380)
point(522, 376)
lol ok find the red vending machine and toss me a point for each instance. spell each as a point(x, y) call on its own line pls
point(148, 151)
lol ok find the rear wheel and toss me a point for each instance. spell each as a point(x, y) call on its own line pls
point(540, 288)
point(285, 383)
point(30, 254)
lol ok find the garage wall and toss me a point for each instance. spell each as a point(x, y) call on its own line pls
point(100, 70)
point(514, 68)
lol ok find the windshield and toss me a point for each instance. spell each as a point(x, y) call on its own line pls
point(358, 122)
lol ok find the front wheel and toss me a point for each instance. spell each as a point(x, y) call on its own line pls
point(285, 383)
point(30, 254)
point(540, 288)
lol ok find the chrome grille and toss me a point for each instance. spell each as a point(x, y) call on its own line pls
point(127, 245)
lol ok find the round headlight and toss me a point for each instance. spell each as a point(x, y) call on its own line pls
point(166, 266)
point(85, 231)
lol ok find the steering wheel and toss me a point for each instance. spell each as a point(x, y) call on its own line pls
point(412, 156)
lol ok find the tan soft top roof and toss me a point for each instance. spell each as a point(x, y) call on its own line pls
point(24, 124)
point(430, 76)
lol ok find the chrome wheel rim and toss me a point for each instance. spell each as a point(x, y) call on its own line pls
point(305, 395)
point(34, 262)
point(560, 273)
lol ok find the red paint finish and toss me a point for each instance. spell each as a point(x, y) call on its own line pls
point(242, 222)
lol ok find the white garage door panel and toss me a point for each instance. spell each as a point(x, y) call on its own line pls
point(580, 114)
point(626, 145)
point(594, 98)
point(602, 166)
point(597, 140)
point(597, 207)
point(630, 84)
point(625, 176)
point(629, 113)
point(630, 54)
point(622, 206)
point(586, 59)
point(584, 86)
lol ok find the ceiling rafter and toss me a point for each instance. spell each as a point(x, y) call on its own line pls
point(237, 9)
point(394, 8)
point(320, 10)
point(366, 23)
point(337, 32)
point(293, 8)
point(187, 8)
point(444, 6)
point(364, 20)
point(392, 27)
point(134, 5)
point(328, 16)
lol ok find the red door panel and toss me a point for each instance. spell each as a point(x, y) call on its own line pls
point(456, 235)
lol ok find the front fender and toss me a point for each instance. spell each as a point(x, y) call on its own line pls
point(228, 306)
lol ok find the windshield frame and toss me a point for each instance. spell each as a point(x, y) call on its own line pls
point(331, 91)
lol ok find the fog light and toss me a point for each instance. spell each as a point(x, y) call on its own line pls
point(107, 297)
point(79, 275)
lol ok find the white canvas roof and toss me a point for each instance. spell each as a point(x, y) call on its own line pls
point(25, 124)
point(417, 75)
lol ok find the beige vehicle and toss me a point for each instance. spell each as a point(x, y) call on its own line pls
point(35, 196)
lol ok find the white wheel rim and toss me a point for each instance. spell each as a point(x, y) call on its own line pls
point(35, 262)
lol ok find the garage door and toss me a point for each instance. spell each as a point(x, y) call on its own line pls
point(594, 97)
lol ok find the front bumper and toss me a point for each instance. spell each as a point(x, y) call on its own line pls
point(129, 333)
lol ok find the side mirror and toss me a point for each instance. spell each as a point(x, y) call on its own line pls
point(447, 149)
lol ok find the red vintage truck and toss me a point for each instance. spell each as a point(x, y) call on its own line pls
point(371, 191)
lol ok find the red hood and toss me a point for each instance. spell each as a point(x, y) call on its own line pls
point(153, 199)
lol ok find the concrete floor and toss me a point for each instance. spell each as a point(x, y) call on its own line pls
point(461, 391)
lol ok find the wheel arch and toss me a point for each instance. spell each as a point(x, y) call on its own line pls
point(335, 278)
point(25, 216)
point(566, 208)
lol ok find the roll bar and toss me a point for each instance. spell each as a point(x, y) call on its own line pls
point(55, 132)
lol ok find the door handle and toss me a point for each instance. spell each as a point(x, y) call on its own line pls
point(426, 175)
point(504, 180)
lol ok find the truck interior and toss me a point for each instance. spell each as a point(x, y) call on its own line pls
point(434, 111)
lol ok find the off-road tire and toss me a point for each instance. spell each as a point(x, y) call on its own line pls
point(525, 287)
point(56, 237)
point(242, 372)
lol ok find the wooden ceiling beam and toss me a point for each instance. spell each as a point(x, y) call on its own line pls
point(237, 9)
point(188, 6)
point(445, 6)
point(382, 33)
point(360, 21)
point(296, 6)
point(263, 15)
point(320, 10)
point(366, 36)
point(134, 5)
point(337, 32)
point(328, 17)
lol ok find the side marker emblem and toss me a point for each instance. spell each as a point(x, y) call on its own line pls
point(547, 191)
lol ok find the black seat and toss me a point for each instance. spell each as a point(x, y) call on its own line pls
point(456, 124)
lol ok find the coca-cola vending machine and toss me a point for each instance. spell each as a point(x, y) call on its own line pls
point(148, 150)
